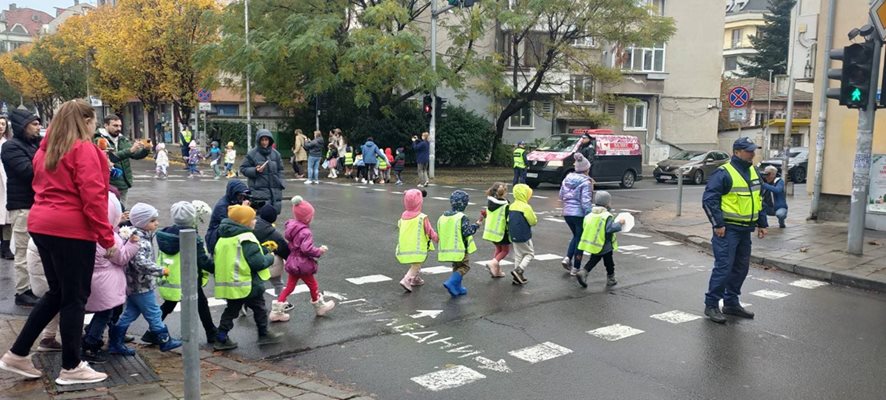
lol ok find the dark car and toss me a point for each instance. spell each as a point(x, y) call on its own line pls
point(616, 158)
point(694, 165)
point(798, 163)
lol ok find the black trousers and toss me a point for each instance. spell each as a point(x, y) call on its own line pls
point(68, 264)
point(256, 302)
point(607, 262)
point(202, 309)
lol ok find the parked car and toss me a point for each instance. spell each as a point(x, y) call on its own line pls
point(695, 166)
point(616, 159)
point(798, 163)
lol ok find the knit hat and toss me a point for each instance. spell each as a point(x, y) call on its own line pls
point(115, 210)
point(302, 210)
point(193, 145)
point(230, 144)
point(268, 213)
point(581, 163)
point(141, 214)
point(602, 199)
point(242, 215)
point(184, 214)
point(161, 146)
point(202, 208)
point(459, 200)
point(19, 119)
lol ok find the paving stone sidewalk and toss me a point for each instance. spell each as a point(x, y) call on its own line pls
point(222, 378)
point(809, 248)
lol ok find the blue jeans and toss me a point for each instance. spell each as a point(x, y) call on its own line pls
point(144, 304)
point(781, 214)
point(313, 168)
point(576, 225)
point(519, 175)
point(732, 257)
point(96, 328)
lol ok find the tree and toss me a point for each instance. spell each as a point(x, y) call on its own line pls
point(772, 42)
point(28, 81)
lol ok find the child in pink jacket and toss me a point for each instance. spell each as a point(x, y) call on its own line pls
point(413, 223)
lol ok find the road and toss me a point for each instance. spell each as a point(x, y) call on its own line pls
point(642, 339)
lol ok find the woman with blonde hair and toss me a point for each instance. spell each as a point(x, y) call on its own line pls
point(68, 219)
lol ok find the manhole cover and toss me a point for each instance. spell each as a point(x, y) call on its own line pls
point(121, 370)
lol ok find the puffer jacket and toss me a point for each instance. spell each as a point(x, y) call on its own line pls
point(577, 195)
point(303, 254)
point(220, 211)
point(17, 155)
point(265, 231)
point(268, 184)
point(143, 271)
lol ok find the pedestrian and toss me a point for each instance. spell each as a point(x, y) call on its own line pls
point(341, 146)
point(269, 237)
point(349, 161)
point(161, 161)
point(456, 233)
point(371, 154)
point(521, 219)
point(577, 195)
point(142, 274)
point(108, 285)
point(241, 268)
point(185, 139)
point(300, 154)
point(215, 159)
point(389, 158)
point(734, 207)
point(263, 168)
point(194, 157)
point(5, 220)
point(383, 168)
point(120, 150)
point(399, 165)
point(316, 149)
point(361, 167)
point(230, 159)
point(422, 149)
point(39, 284)
point(599, 240)
point(775, 203)
point(236, 193)
point(70, 193)
point(302, 261)
point(17, 155)
point(414, 239)
point(332, 161)
point(520, 163)
point(496, 228)
point(587, 147)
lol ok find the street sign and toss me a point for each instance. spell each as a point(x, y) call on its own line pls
point(878, 17)
point(739, 97)
point(204, 106)
point(738, 115)
point(204, 95)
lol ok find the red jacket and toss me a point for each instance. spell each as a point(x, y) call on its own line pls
point(72, 201)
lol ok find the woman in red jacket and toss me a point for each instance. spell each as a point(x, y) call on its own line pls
point(69, 216)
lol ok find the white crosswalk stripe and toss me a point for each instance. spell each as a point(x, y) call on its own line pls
point(675, 317)
point(615, 332)
point(668, 243)
point(448, 378)
point(636, 235)
point(808, 283)
point(540, 352)
point(631, 247)
point(368, 279)
point(547, 257)
point(770, 294)
point(436, 270)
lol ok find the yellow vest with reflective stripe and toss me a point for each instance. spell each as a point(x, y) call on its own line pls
point(518, 158)
point(452, 243)
point(413, 244)
point(233, 278)
point(593, 236)
point(349, 158)
point(742, 205)
point(496, 223)
point(382, 162)
point(170, 286)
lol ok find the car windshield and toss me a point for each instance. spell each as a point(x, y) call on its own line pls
point(688, 155)
point(559, 143)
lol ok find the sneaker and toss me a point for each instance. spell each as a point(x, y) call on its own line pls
point(610, 281)
point(582, 277)
point(519, 279)
point(574, 271)
point(269, 338)
point(26, 299)
point(307, 182)
point(738, 311)
point(82, 374)
point(566, 263)
point(223, 345)
point(714, 314)
point(49, 344)
point(94, 356)
point(19, 365)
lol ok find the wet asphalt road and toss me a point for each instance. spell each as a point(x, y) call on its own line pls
point(532, 342)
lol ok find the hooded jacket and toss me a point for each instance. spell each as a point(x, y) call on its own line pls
point(220, 211)
point(253, 253)
point(303, 254)
point(17, 155)
point(577, 195)
point(521, 216)
point(265, 231)
point(493, 204)
point(316, 147)
point(108, 286)
point(412, 202)
point(143, 271)
point(370, 150)
point(168, 242)
point(268, 184)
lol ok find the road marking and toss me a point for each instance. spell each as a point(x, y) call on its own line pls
point(743, 304)
point(668, 243)
point(449, 187)
point(630, 210)
point(436, 270)
point(540, 352)
point(368, 279)
point(87, 318)
point(636, 235)
point(426, 313)
point(449, 378)
point(470, 189)
point(675, 317)
point(176, 180)
point(540, 197)
point(397, 192)
point(212, 301)
point(615, 332)
point(502, 262)
point(555, 220)
point(766, 280)
point(440, 198)
point(334, 295)
point(632, 247)
point(497, 366)
point(808, 283)
point(770, 294)
point(298, 289)
point(548, 257)
point(362, 187)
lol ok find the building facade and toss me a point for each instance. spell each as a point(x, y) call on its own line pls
point(20, 26)
point(743, 19)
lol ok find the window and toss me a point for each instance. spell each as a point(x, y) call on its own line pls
point(644, 59)
point(777, 140)
point(736, 38)
point(635, 117)
point(731, 63)
point(587, 41)
point(522, 119)
point(581, 89)
point(227, 109)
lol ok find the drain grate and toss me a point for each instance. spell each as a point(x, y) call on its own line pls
point(121, 370)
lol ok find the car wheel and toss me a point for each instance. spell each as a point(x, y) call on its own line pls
point(627, 180)
point(799, 175)
point(533, 184)
point(698, 177)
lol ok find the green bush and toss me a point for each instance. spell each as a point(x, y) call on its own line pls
point(227, 131)
point(463, 138)
point(503, 156)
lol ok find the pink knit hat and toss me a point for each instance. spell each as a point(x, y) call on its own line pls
point(302, 210)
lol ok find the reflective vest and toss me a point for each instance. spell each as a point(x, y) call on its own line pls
point(186, 135)
point(233, 278)
point(593, 236)
point(518, 158)
point(170, 286)
point(349, 158)
point(742, 205)
point(382, 162)
point(414, 243)
point(496, 223)
point(452, 243)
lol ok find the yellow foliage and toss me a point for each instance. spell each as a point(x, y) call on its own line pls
point(28, 81)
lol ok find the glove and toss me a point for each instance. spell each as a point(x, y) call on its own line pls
point(165, 271)
point(116, 172)
point(270, 245)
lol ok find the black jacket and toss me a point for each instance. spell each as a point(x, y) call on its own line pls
point(266, 185)
point(17, 155)
point(220, 211)
point(265, 231)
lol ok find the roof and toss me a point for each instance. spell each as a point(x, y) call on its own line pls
point(734, 7)
point(32, 20)
point(759, 89)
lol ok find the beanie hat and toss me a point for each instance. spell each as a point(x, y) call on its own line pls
point(459, 200)
point(302, 210)
point(193, 145)
point(602, 199)
point(19, 119)
point(202, 208)
point(268, 213)
point(141, 214)
point(161, 146)
point(184, 214)
point(242, 215)
point(230, 144)
point(581, 163)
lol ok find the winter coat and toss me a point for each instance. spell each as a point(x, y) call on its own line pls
point(611, 228)
point(120, 155)
point(774, 196)
point(493, 204)
point(143, 271)
point(162, 158)
point(268, 184)
point(265, 231)
point(422, 151)
point(521, 217)
point(719, 184)
point(220, 211)
point(17, 155)
point(316, 147)
point(168, 242)
point(4, 214)
point(400, 162)
point(370, 151)
point(303, 254)
point(108, 288)
point(577, 195)
point(299, 148)
point(252, 252)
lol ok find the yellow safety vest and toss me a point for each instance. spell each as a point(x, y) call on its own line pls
point(743, 203)
point(593, 236)
point(170, 286)
point(496, 223)
point(233, 278)
point(518, 158)
point(186, 134)
point(382, 162)
point(414, 243)
point(349, 158)
point(452, 243)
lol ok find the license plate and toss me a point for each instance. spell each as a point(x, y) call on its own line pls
point(531, 175)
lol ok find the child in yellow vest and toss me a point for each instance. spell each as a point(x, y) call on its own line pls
point(598, 239)
point(416, 235)
point(457, 241)
point(521, 219)
point(496, 228)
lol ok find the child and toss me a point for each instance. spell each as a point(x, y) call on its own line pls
point(269, 237)
point(184, 216)
point(416, 234)
point(332, 161)
point(361, 167)
point(399, 165)
point(349, 161)
point(241, 267)
point(593, 236)
point(108, 287)
point(162, 161)
point(382, 165)
point(389, 164)
point(230, 158)
point(521, 219)
point(302, 260)
point(457, 241)
point(496, 228)
point(140, 284)
point(194, 157)
point(215, 160)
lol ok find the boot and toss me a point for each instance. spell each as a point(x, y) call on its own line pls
point(265, 338)
point(277, 313)
point(150, 338)
point(406, 282)
point(494, 267)
point(5, 252)
point(453, 284)
point(321, 307)
point(167, 342)
point(610, 280)
point(223, 342)
point(115, 341)
point(417, 281)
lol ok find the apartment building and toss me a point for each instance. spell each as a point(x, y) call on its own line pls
point(20, 26)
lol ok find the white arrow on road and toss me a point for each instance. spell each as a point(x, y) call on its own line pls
point(335, 295)
point(497, 366)
point(427, 313)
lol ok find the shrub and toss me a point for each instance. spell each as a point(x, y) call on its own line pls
point(463, 138)
point(503, 156)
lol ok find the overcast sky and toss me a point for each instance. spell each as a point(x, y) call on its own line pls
point(47, 6)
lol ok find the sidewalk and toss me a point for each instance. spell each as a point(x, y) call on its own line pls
point(222, 378)
point(813, 249)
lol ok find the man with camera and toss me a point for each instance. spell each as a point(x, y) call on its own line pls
point(422, 150)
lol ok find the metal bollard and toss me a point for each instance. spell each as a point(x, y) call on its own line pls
point(189, 317)
point(679, 193)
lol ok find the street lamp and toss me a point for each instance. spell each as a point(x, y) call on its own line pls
point(246, 74)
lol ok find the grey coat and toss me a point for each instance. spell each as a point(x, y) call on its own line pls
point(268, 184)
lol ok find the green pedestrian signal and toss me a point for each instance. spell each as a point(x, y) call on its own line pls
point(856, 95)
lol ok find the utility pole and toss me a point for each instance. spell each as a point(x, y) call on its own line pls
point(432, 129)
point(766, 139)
point(248, 92)
point(822, 114)
point(788, 126)
point(189, 315)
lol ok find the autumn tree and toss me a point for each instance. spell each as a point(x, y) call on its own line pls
point(27, 80)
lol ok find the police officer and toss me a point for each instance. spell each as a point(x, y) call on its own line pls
point(734, 207)
point(520, 163)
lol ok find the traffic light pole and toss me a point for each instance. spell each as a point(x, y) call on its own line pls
point(432, 129)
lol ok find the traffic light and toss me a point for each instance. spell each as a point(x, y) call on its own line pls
point(855, 76)
point(441, 107)
point(428, 105)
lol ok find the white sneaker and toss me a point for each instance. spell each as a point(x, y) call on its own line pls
point(371, 183)
point(363, 181)
point(307, 182)
point(82, 374)
point(316, 182)
point(19, 365)
point(574, 271)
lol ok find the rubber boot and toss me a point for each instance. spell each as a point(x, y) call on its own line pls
point(167, 342)
point(416, 280)
point(321, 306)
point(277, 313)
point(406, 282)
point(453, 284)
point(115, 341)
